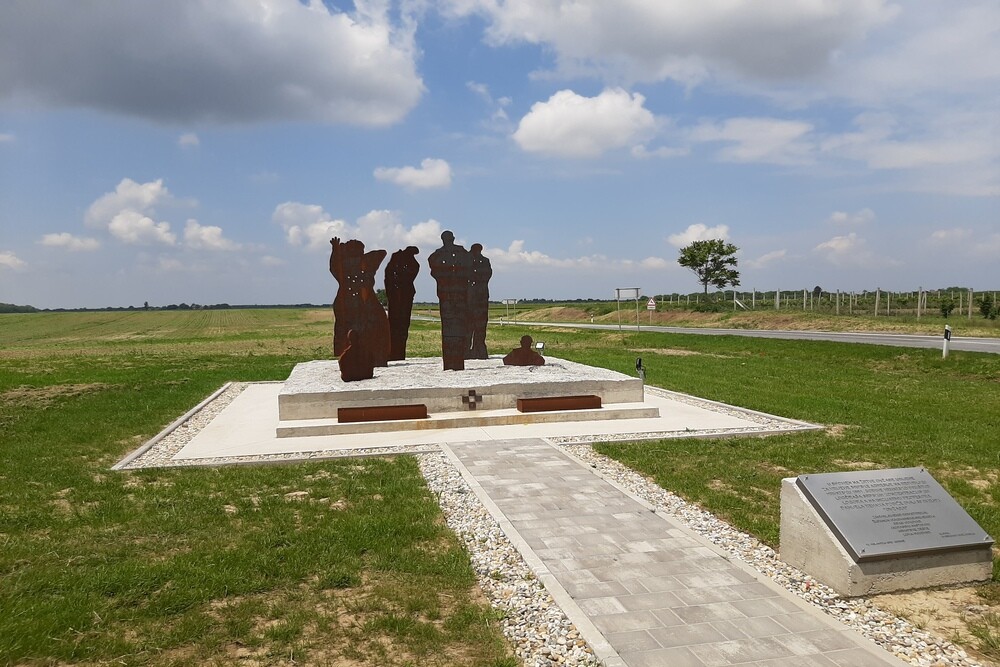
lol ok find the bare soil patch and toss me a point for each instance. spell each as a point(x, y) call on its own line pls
point(39, 397)
point(946, 613)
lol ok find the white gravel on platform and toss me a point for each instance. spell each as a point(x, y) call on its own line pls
point(426, 373)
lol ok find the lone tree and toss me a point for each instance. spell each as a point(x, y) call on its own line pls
point(713, 261)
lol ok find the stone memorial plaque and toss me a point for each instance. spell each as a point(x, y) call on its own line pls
point(880, 514)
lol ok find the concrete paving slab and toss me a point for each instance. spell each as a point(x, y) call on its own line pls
point(247, 427)
point(694, 607)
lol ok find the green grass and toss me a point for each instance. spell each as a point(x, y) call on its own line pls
point(195, 566)
point(192, 566)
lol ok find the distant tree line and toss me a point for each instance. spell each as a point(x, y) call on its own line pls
point(11, 308)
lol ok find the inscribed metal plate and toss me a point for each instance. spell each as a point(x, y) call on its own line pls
point(879, 514)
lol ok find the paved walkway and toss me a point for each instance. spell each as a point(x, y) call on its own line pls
point(642, 589)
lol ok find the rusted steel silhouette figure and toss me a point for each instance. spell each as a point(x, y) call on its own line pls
point(356, 307)
point(355, 364)
point(480, 272)
point(524, 355)
point(450, 267)
point(400, 273)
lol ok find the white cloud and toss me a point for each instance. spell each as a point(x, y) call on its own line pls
point(310, 226)
point(655, 263)
point(128, 195)
point(862, 217)
point(515, 255)
point(134, 228)
point(432, 173)
point(70, 242)
point(11, 261)
point(852, 251)
point(652, 40)
point(953, 235)
point(307, 224)
point(188, 140)
point(206, 237)
point(571, 125)
point(188, 61)
point(498, 120)
point(766, 259)
point(127, 213)
point(6, 138)
point(767, 140)
point(698, 232)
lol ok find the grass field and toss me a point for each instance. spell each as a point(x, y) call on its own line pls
point(207, 566)
point(195, 566)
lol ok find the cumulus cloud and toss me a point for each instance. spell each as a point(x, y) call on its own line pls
point(309, 226)
point(9, 260)
point(206, 237)
point(766, 259)
point(134, 228)
point(862, 217)
point(517, 255)
point(852, 251)
point(571, 125)
point(128, 195)
point(188, 140)
point(70, 242)
point(767, 140)
point(652, 40)
point(698, 232)
point(224, 61)
point(432, 173)
point(126, 213)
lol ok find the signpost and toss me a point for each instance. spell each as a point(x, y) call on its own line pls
point(651, 306)
point(884, 514)
point(509, 303)
point(627, 293)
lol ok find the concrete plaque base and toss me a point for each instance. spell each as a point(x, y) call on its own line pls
point(808, 544)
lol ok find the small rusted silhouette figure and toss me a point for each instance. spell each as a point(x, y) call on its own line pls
point(480, 272)
point(400, 273)
point(356, 307)
point(354, 363)
point(450, 267)
point(524, 355)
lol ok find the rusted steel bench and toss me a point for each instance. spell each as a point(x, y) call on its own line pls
point(552, 403)
point(382, 413)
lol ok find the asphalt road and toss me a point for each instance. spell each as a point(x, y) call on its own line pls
point(991, 345)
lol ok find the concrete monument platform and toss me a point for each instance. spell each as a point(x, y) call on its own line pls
point(314, 389)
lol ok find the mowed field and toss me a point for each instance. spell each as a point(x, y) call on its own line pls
point(216, 566)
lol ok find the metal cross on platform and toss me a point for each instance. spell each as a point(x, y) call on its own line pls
point(472, 399)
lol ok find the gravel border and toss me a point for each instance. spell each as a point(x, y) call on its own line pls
point(540, 632)
point(892, 633)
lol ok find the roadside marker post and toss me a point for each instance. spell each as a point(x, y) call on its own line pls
point(947, 339)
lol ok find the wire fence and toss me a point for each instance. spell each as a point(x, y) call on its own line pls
point(955, 302)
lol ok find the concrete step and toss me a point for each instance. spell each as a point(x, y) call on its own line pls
point(472, 418)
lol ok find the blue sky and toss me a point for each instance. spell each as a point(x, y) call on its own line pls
point(206, 150)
